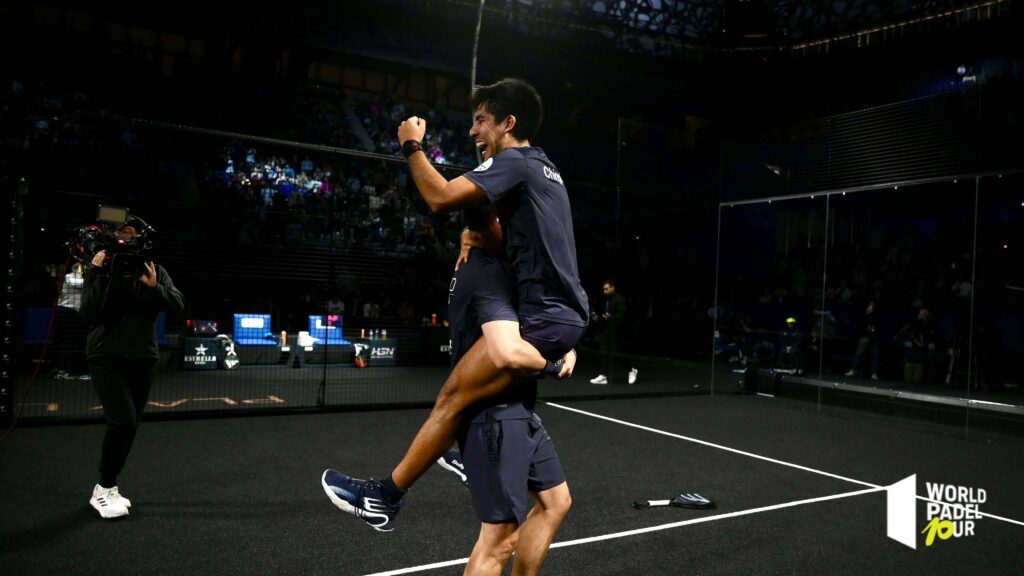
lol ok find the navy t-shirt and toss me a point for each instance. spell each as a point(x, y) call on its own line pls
point(536, 220)
point(483, 290)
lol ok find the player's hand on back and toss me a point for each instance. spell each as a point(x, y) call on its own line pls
point(568, 364)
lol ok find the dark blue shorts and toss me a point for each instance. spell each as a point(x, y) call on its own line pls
point(552, 339)
point(505, 461)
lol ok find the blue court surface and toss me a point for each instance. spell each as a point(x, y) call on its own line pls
point(798, 491)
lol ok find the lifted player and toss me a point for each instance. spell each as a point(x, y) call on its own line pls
point(536, 220)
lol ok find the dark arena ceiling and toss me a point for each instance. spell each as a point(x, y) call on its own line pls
point(674, 27)
point(735, 23)
point(654, 27)
point(710, 48)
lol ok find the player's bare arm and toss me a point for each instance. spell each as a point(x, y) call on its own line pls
point(440, 194)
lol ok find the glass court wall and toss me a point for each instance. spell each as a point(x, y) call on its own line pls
point(900, 301)
point(871, 261)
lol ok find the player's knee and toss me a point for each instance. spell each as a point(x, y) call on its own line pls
point(503, 359)
point(559, 501)
point(511, 356)
point(563, 504)
point(509, 545)
point(501, 542)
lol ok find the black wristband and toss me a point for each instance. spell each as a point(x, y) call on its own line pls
point(410, 147)
point(553, 368)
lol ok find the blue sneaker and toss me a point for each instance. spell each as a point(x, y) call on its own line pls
point(452, 461)
point(361, 498)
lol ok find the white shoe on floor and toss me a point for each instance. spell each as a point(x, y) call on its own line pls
point(108, 502)
point(632, 375)
point(115, 493)
point(599, 380)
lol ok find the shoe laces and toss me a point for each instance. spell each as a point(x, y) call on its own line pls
point(104, 495)
point(362, 487)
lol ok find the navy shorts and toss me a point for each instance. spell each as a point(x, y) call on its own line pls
point(552, 339)
point(505, 461)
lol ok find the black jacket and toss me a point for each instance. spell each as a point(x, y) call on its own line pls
point(122, 312)
point(615, 306)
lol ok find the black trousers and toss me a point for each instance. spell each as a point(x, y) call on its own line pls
point(123, 388)
point(614, 367)
point(69, 334)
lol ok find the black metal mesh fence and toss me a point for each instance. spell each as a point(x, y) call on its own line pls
point(290, 256)
point(314, 276)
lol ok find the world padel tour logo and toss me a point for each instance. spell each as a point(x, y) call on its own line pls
point(950, 512)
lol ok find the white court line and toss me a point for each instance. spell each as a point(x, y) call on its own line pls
point(716, 517)
point(648, 529)
point(971, 510)
point(712, 445)
point(772, 460)
point(871, 488)
point(422, 568)
point(645, 530)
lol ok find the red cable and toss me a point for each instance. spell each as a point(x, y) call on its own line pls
point(42, 353)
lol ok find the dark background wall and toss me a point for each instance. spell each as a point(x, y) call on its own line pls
point(650, 140)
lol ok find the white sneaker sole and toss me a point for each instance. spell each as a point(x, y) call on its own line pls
point(108, 511)
point(444, 464)
point(341, 504)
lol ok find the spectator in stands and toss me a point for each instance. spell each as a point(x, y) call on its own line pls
point(336, 306)
point(868, 344)
point(790, 346)
point(371, 309)
point(919, 343)
point(406, 313)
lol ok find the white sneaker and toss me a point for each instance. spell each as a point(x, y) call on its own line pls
point(632, 375)
point(115, 493)
point(850, 373)
point(108, 502)
point(599, 380)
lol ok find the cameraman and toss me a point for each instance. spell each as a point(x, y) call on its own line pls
point(120, 304)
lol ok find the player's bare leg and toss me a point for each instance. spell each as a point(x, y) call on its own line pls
point(493, 548)
point(377, 502)
point(537, 532)
point(474, 378)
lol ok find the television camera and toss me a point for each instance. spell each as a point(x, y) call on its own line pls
point(111, 233)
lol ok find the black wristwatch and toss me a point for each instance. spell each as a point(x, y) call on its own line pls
point(410, 147)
